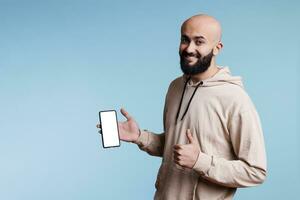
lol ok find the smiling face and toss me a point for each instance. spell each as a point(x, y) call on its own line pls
point(200, 43)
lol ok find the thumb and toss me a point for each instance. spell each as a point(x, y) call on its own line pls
point(125, 114)
point(190, 137)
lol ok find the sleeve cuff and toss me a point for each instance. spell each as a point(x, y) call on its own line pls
point(143, 139)
point(202, 164)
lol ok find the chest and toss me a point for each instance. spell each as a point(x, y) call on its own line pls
point(206, 117)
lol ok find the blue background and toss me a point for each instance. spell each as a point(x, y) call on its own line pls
point(63, 61)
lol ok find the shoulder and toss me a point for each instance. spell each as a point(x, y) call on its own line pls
point(178, 81)
point(239, 99)
point(176, 84)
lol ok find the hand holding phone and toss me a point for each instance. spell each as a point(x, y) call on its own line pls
point(109, 128)
point(128, 130)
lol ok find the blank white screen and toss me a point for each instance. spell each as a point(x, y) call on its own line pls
point(109, 128)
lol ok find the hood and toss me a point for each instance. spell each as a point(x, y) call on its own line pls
point(223, 76)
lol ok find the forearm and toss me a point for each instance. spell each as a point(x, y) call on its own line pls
point(151, 143)
point(250, 166)
point(230, 173)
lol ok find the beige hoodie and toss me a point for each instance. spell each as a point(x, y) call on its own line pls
point(224, 120)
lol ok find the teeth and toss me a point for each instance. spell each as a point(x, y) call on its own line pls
point(190, 58)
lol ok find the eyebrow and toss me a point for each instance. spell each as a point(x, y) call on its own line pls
point(200, 37)
point(196, 37)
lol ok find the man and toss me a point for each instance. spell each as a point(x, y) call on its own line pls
point(212, 141)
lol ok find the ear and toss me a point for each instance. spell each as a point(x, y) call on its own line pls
point(218, 48)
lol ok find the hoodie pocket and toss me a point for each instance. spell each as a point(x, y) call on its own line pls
point(178, 183)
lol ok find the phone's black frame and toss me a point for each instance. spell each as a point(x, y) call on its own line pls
point(117, 128)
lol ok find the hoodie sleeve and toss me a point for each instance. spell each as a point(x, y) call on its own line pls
point(249, 168)
point(151, 143)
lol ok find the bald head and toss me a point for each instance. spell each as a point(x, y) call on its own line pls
point(200, 44)
point(204, 25)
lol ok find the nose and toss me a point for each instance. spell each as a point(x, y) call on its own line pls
point(190, 48)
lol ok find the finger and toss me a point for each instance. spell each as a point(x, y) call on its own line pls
point(176, 153)
point(177, 146)
point(176, 158)
point(125, 113)
point(179, 163)
point(98, 125)
point(189, 136)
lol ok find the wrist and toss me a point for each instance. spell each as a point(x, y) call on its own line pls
point(138, 135)
point(197, 154)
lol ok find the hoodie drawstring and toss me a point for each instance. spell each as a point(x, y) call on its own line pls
point(201, 82)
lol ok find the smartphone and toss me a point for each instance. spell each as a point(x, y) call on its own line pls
point(109, 128)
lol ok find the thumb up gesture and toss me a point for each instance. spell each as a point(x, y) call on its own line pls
point(186, 155)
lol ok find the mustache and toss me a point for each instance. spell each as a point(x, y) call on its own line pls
point(186, 54)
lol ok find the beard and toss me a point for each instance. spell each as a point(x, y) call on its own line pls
point(200, 66)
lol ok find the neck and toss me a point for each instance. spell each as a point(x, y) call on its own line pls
point(212, 70)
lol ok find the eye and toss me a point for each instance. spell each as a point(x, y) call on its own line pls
point(199, 42)
point(184, 40)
